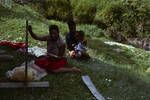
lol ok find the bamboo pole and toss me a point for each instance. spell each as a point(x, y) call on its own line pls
point(26, 54)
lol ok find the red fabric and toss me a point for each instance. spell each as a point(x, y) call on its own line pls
point(14, 45)
point(50, 65)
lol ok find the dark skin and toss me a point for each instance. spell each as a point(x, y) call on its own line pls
point(54, 36)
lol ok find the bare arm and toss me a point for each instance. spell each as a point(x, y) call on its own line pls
point(41, 38)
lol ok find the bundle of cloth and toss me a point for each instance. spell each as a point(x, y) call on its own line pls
point(34, 72)
point(14, 45)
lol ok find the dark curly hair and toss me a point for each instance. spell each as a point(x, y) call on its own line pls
point(53, 27)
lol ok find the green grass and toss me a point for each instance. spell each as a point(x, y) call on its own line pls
point(118, 76)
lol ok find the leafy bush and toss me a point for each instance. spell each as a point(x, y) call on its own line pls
point(84, 11)
point(128, 17)
point(91, 30)
point(53, 9)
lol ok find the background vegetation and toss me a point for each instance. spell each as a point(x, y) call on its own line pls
point(128, 17)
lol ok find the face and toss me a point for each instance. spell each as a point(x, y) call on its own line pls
point(54, 34)
point(78, 37)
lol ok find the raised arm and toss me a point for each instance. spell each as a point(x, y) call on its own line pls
point(41, 38)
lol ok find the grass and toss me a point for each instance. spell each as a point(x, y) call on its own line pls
point(118, 76)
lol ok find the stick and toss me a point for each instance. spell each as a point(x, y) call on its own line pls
point(26, 54)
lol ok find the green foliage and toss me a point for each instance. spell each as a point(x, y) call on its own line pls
point(59, 9)
point(128, 17)
point(6, 3)
point(56, 9)
point(91, 30)
point(84, 11)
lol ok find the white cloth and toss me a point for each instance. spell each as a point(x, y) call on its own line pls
point(80, 47)
point(37, 51)
point(34, 72)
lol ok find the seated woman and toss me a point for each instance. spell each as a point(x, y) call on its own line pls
point(80, 48)
point(54, 60)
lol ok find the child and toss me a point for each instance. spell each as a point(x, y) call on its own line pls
point(80, 49)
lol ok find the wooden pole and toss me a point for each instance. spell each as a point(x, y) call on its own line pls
point(25, 84)
point(26, 54)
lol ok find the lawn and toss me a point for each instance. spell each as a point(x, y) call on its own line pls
point(117, 75)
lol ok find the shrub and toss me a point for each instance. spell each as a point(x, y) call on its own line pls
point(84, 11)
point(91, 30)
point(53, 9)
point(128, 17)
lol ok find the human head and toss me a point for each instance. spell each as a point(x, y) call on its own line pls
point(54, 32)
point(79, 36)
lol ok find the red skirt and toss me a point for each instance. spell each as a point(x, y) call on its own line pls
point(50, 65)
